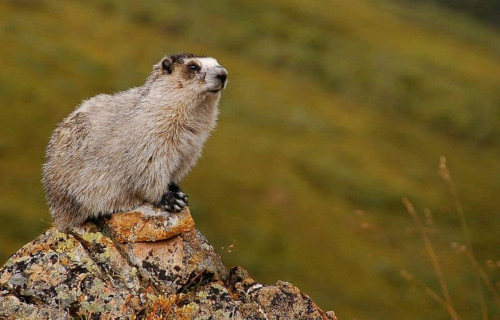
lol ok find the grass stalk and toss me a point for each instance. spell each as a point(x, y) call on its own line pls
point(428, 290)
point(434, 260)
point(480, 271)
point(446, 176)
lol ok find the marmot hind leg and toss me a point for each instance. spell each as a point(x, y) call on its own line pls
point(67, 213)
point(174, 200)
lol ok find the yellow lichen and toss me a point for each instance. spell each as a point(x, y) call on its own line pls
point(162, 307)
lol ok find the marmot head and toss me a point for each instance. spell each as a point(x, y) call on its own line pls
point(189, 74)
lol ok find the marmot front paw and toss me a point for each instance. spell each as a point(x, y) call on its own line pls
point(174, 200)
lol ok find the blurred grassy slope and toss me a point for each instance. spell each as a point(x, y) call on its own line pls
point(332, 106)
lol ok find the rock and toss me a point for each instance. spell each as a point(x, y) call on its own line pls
point(141, 264)
point(148, 224)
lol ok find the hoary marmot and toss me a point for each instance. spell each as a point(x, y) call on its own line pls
point(116, 152)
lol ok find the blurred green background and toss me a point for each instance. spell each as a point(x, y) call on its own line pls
point(334, 111)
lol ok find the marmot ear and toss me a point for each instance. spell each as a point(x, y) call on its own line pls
point(166, 65)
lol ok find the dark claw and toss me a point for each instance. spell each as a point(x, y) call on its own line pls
point(174, 200)
point(180, 202)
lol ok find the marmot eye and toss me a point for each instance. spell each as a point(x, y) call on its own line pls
point(194, 67)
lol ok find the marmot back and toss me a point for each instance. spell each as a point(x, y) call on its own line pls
point(117, 152)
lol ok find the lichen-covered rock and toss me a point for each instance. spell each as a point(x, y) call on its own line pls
point(280, 301)
point(147, 223)
point(176, 264)
point(58, 271)
point(142, 264)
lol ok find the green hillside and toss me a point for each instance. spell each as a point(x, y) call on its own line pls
point(334, 111)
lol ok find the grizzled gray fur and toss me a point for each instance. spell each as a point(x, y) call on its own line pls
point(116, 152)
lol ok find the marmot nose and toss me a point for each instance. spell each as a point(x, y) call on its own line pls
point(222, 77)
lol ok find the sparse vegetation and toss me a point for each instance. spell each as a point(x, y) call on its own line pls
point(332, 108)
point(489, 303)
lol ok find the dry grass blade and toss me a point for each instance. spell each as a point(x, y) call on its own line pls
point(479, 270)
point(478, 274)
point(434, 259)
point(428, 290)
